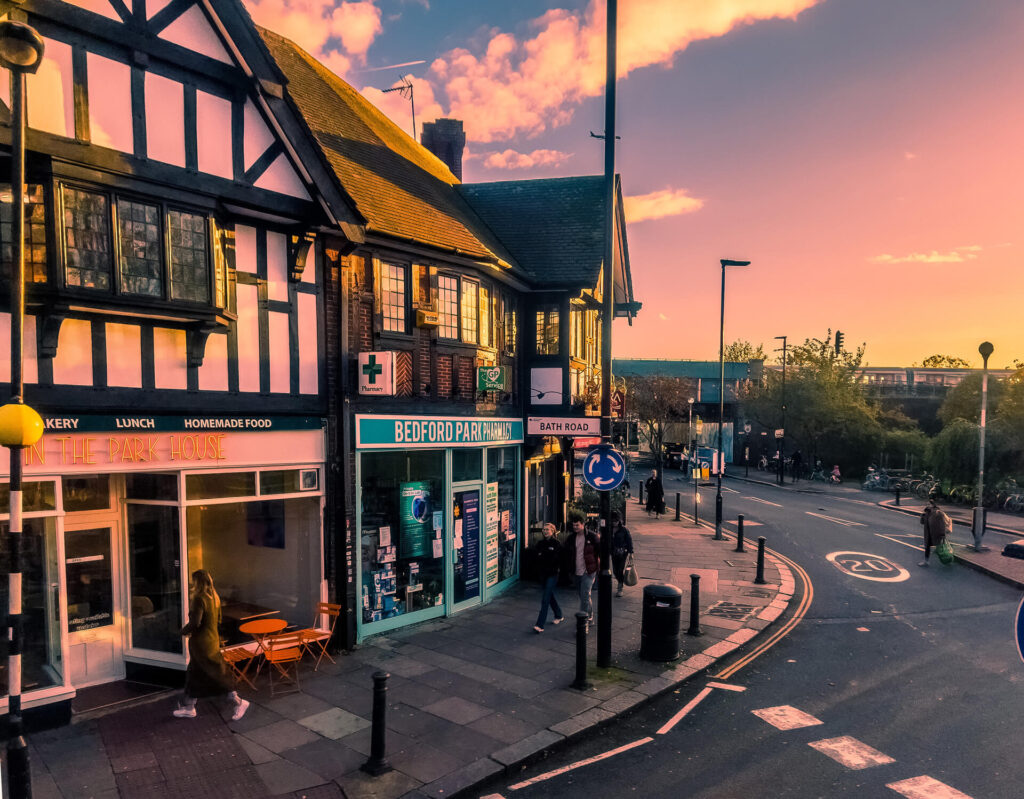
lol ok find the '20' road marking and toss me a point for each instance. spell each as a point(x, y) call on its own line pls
point(868, 567)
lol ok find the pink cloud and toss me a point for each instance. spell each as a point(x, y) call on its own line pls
point(659, 204)
point(958, 255)
point(512, 159)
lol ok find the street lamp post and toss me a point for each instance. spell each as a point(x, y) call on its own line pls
point(782, 438)
point(978, 525)
point(721, 396)
point(21, 51)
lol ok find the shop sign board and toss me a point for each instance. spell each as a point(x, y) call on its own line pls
point(491, 517)
point(563, 426)
point(492, 378)
point(385, 431)
point(417, 518)
point(618, 403)
point(377, 373)
point(100, 423)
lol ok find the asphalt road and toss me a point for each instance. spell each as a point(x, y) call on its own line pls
point(909, 677)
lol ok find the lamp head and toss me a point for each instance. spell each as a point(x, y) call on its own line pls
point(986, 349)
point(729, 262)
point(690, 400)
point(21, 48)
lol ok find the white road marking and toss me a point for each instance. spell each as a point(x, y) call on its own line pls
point(863, 630)
point(786, 717)
point(596, 758)
point(765, 501)
point(844, 522)
point(925, 787)
point(493, 796)
point(896, 540)
point(726, 686)
point(672, 722)
point(850, 752)
point(858, 501)
point(746, 522)
point(866, 566)
point(730, 490)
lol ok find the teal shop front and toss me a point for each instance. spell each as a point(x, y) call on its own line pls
point(439, 514)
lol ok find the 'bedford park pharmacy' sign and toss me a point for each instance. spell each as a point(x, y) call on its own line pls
point(381, 431)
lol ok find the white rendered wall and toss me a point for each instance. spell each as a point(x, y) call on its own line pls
point(245, 249)
point(124, 355)
point(165, 120)
point(277, 267)
point(248, 337)
point(50, 92)
point(73, 363)
point(257, 136)
point(309, 367)
point(213, 374)
point(280, 177)
point(154, 7)
point(192, 31)
point(169, 358)
point(213, 133)
point(101, 7)
point(280, 353)
point(110, 103)
point(312, 266)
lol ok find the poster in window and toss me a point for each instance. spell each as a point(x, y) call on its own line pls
point(417, 518)
point(491, 532)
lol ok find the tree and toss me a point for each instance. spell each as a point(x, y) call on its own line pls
point(656, 400)
point(963, 401)
point(742, 351)
point(944, 362)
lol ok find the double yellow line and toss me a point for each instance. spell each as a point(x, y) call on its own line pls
point(779, 634)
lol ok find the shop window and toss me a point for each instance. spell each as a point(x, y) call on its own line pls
point(220, 484)
point(401, 533)
point(503, 469)
point(35, 496)
point(284, 481)
point(41, 662)
point(393, 298)
point(547, 331)
point(154, 552)
point(470, 312)
point(140, 485)
point(35, 233)
point(86, 493)
point(485, 317)
point(448, 306)
point(90, 587)
point(264, 557)
point(467, 464)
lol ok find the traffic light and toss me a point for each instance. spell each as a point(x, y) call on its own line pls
point(839, 342)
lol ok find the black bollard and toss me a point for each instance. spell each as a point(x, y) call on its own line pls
point(378, 763)
point(760, 561)
point(580, 683)
point(677, 506)
point(897, 496)
point(739, 534)
point(694, 628)
point(640, 493)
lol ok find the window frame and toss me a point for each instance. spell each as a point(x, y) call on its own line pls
point(456, 315)
point(485, 312)
point(473, 309)
point(509, 323)
point(406, 298)
point(545, 310)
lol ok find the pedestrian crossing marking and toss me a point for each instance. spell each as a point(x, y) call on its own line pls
point(925, 787)
point(848, 751)
point(786, 717)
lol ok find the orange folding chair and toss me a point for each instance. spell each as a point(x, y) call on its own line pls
point(316, 638)
point(234, 656)
point(283, 652)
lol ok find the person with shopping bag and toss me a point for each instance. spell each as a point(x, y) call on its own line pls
point(937, 526)
point(549, 560)
point(622, 550)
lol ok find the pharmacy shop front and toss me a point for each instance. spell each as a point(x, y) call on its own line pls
point(439, 514)
point(119, 511)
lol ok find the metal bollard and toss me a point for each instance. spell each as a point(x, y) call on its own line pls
point(760, 561)
point(378, 763)
point(677, 506)
point(739, 534)
point(694, 628)
point(580, 683)
point(897, 496)
point(640, 493)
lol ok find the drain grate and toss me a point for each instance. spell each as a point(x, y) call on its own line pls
point(731, 610)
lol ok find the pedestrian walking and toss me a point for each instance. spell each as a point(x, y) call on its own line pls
point(207, 674)
point(798, 464)
point(937, 525)
point(549, 560)
point(622, 548)
point(655, 494)
point(580, 550)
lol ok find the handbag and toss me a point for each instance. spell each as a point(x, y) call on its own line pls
point(944, 551)
point(629, 575)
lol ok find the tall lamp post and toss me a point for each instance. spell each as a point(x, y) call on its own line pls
point(693, 457)
point(21, 51)
point(978, 526)
point(721, 396)
point(782, 438)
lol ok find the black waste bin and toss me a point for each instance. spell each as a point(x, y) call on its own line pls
point(659, 627)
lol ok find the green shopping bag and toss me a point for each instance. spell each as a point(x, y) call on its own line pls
point(944, 551)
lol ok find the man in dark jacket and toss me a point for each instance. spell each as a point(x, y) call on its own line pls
point(581, 548)
point(622, 548)
point(549, 561)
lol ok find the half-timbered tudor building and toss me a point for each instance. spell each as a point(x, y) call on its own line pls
point(175, 335)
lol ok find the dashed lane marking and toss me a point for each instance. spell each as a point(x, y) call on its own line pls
point(765, 501)
point(858, 501)
point(844, 522)
point(925, 787)
point(848, 751)
point(672, 722)
point(579, 764)
point(786, 717)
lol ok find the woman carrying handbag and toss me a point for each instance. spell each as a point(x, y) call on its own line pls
point(622, 549)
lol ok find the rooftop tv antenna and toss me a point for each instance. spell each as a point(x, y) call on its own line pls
point(405, 89)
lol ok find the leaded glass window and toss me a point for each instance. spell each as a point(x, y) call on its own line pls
point(86, 239)
point(470, 312)
point(485, 317)
point(510, 320)
point(190, 267)
point(547, 331)
point(35, 233)
point(392, 297)
point(448, 306)
point(138, 227)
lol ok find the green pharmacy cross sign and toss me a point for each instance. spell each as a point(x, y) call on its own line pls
point(492, 378)
point(377, 373)
point(371, 368)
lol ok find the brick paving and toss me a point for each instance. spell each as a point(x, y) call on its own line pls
point(469, 696)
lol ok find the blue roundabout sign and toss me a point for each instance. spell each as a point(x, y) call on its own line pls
point(604, 468)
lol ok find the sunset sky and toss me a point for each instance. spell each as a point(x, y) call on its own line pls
point(866, 155)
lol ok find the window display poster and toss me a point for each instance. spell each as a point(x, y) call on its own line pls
point(416, 519)
point(491, 514)
point(471, 543)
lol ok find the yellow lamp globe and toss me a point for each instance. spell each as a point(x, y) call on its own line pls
point(20, 426)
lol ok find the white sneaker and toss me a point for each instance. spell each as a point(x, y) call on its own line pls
point(185, 712)
point(537, 629)
point(240, 708)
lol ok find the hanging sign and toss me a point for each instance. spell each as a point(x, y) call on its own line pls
point(377, 373)
point(492, 378)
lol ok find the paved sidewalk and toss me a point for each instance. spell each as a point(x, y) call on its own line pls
point(469, 696)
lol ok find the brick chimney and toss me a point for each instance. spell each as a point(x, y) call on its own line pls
point(446, 139)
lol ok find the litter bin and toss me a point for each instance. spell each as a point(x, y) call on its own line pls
point(659, 626)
